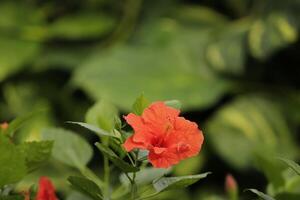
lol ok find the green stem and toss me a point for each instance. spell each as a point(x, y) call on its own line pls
point(106, 178)
point(133, 183)
point(133, 187)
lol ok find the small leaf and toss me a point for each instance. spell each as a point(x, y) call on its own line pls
point(174, 103)
point(12, 167)
point(36, 153)
point(261, 194)
point(293, 165)
point(168, 183)
point(139, 105)
point(86, 186)
point(69, 147)
point(94, 129)
point(124, 166)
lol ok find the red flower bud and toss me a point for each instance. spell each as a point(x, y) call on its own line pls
point(46, 190)
point(230, 183)
point(231, 187)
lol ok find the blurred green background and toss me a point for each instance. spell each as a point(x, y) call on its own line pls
point(234, 65)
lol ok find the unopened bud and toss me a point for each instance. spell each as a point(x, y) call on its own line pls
point(231, 187)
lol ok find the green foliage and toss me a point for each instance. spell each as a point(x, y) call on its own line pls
point(270, 167)
point(102, 114)
point(11, 64)
point(146, 176)
point(189, 166)
point(13, 167)
point(270, 34)
point(174, 103)
point(118, 162)
point(211, 55)
point(248, 125)
point(261, 194)
point(83, 25)
point(18, 123)
point(12, 197)
point(139, 105)
point(86, 187)
point(94, 129)
point(293, 165)
point(36, 153)
point(69, 148)
point(168, 183)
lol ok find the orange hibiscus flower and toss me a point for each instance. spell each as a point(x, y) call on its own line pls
point(168, 137)
point(46, 190)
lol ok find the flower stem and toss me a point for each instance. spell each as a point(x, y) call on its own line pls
point(106, 177)
point(133, 187)
point(133, 183)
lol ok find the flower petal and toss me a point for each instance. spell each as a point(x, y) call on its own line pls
point(159, 117)
point(129, 144)
point(163, 160)
point(187, 139)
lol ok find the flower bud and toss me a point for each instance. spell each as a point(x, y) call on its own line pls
point(46, 190)
point(231, 187)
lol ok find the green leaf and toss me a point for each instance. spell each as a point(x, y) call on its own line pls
point(62, 57)
point(260, 194)
point(12, 197)
point(13, 166)
point(124, 166)
point(103, 115)
point(168, 183)
point(69, 147)
point(9, 62)
point(293, 165)
point(18, 122)
point(226, 52)
point(86, 186)
point(36, 153)
point(146, 68)
point(200, 15)
point(74, 195)
point(145, 176)
point(269, 167)
point(250, 124)
point(269, 35)
point(189, 166)
point(287, 196)
point(94, 129)
point(140, 104)
point(81, 26)
point(174, 103)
